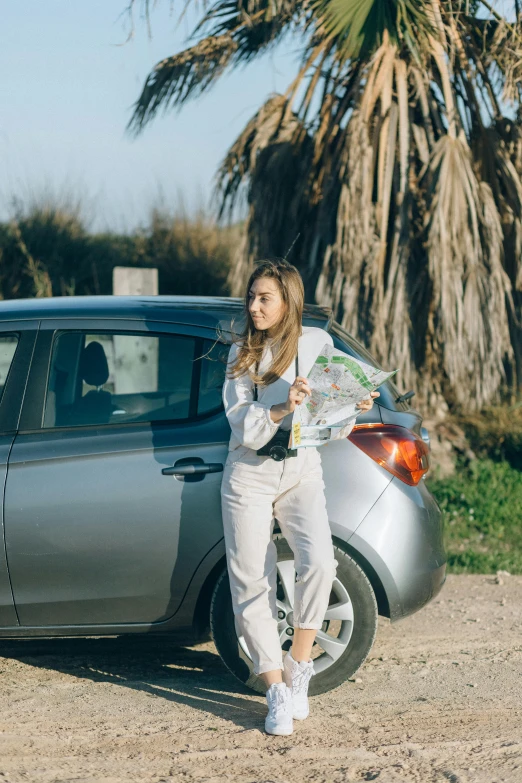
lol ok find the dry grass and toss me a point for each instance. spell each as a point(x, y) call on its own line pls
point(46, 250)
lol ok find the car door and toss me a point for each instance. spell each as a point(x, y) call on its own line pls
point(113, 487)
point(16, 347)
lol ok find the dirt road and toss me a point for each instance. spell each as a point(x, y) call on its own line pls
point(439, 699)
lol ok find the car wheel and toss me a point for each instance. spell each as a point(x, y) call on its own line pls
point(343, 642)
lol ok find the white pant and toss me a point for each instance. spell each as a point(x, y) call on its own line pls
point(254, 491)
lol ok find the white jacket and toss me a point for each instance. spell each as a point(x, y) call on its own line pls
point(250, 421)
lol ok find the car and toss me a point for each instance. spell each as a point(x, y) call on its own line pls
point(113, 439)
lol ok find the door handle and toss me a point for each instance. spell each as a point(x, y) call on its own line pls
point(193, 469)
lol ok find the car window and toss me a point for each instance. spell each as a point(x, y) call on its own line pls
point(8, 343)
point(213, 368)
point(110, 378)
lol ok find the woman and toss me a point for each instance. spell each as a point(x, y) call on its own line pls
point(266, 379)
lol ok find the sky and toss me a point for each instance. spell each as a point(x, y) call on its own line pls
point(68, 82)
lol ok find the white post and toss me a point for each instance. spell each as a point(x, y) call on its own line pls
point(135, 357)
point(134, 281)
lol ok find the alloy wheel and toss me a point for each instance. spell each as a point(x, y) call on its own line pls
point(334, 635)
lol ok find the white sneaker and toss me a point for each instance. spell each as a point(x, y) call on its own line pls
point(297, 677)
point(279, 718)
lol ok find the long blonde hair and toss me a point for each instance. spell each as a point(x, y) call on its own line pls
point(285, 334)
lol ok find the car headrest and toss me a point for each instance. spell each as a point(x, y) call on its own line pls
point(94, 369)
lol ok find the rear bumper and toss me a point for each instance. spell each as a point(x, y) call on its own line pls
point(419, 593)
point(401, 537)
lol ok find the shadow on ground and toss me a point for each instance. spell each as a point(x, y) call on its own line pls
point(160, 667)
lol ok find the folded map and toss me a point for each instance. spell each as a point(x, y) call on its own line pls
point(337, 381)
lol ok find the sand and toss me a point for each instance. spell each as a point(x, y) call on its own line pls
point(438, 699)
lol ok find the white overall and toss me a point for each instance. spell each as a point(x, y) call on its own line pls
point(257, 490)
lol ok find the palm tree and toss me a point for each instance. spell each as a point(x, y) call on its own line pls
point(395, 155)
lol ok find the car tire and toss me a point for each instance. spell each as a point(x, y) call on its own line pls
point(350, 580)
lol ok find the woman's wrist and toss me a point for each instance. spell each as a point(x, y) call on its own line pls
point(278, 412)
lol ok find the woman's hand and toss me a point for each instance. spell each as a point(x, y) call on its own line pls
point(367, 405)
point(296, 394)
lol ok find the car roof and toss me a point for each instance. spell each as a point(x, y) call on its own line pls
point(202, 310)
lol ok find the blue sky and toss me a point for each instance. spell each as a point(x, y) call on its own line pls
point(67, 85)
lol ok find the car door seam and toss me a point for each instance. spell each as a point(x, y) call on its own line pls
point(7, 471)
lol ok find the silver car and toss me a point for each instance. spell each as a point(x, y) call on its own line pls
point(112, 442)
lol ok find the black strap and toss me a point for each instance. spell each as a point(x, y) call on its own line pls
point(296, 374)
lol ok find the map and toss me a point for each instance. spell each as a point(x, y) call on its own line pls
point(338, 382)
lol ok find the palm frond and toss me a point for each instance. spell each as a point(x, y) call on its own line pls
point(268, 126)
point(273, 155)
point(505, 53)
point(359, 26)
point(182, 76)
point(254, 24)
point(500, 171)
point(464, 241)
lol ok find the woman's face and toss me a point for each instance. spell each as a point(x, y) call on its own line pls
point(265, 303)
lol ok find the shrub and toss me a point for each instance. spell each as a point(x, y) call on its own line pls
point(482, 507)
point(46, 250)
point(495, 433)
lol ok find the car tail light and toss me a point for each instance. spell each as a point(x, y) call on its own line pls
point(396, 448)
